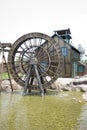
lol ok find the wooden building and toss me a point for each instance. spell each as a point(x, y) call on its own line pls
point(71, 56)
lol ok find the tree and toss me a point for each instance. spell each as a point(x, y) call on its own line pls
point(82, 51)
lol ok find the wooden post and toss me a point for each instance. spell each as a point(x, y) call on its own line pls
point(2, 49)
point(0, 80)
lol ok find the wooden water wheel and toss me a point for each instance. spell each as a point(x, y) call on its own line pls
point(35, 60)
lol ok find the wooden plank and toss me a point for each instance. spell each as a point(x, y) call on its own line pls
point(4, 45)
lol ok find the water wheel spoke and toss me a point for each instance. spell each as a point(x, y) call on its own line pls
point(40, 41)
point(43, 67)
point(34, 56)
point(45, 58)
point(53, 66)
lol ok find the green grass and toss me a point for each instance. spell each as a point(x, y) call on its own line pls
point(4, 75)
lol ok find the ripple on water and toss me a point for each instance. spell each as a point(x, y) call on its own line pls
point(50, 112)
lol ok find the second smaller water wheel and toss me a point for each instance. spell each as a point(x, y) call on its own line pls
point(34, 60)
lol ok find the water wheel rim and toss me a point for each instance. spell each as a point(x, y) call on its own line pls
point(40, 38)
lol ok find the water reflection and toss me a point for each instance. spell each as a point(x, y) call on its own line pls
point(51, 112)
point(82, 121)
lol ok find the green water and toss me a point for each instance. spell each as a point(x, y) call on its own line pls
point(54, 111)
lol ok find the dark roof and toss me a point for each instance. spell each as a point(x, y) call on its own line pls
point(66, 36)
point(74, 48)
point(79, 62)
point(65, 33)
point(62, 32)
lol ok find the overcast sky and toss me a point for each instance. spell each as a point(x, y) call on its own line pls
point(18, 17)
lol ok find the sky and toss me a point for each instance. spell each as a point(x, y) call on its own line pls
point(18, 17)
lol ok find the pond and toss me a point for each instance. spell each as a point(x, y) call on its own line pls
point(54, 111)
